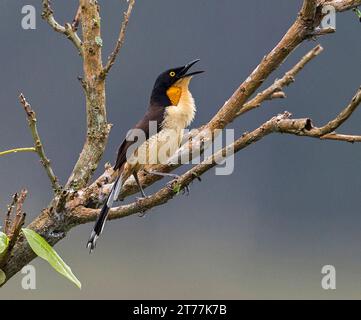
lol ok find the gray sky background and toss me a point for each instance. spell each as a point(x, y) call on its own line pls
point(291, 206)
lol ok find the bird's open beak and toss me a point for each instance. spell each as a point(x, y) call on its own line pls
point(184, 74)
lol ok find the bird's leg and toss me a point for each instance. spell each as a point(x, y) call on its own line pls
point(165, 174)
point(135, 175)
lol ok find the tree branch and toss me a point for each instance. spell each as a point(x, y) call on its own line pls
point(341, 118)
point(97, 127)
point(343, 5)
point(67, 30)
point(76, 20)
point(341, 137)
point(298, 32)
point(278, 85)
point(39, 149)
point(4, 153)
point(120, 41)
point(308, 10)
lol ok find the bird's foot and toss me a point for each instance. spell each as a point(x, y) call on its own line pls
point(141, 198)
point(197, 177)
point(177, 188)
point(143, 213)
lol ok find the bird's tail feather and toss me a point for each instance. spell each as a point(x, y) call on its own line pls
point(100, 222)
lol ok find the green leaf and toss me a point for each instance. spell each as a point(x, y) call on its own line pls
point(43, 249)
point(4, 242)
point(2, 277)
point(358, 13)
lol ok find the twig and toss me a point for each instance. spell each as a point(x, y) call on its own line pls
point(4, 153)
point(38, 144)
point(67, 30)
point(341, 137)
point(321, 32)
point(76, 19)
point(7, 224)
point(304, 127)
point(277, 86)
point(295, 35)
point(343, 5)
point(120, 41)
point(13, 226)
point(19, 216)
point(341, 117)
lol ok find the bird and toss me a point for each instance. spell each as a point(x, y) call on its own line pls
point(171, 109)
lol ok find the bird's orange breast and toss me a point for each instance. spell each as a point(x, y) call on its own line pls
point(174, 94)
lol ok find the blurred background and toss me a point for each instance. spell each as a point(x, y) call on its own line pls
point(292, 204)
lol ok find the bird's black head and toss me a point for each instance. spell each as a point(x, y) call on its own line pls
point(168, 80)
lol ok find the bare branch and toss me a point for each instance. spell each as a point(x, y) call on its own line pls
point(277, 86)
point(341, 137)
point(38, 144)
point(76, 20)
point(13, 226)
point(321, 32)
point(304, 127)
point(341, 117)
point(8, 222)
point(4, 153)
point(48, 15)
point(343, 5)
point(298, 32)
point(97, 127)
point(120, 41)
point(308, 10)
point(67, 30)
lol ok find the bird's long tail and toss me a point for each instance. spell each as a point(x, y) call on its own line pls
point(100, 222)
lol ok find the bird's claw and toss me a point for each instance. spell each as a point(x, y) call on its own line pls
point(186, 190)
point(141, 214)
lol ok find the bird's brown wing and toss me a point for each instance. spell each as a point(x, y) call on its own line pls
point(154, 113)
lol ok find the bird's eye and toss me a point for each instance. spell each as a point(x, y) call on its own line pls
point(172, 73)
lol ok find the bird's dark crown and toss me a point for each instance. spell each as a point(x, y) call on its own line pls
point(167, 79)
